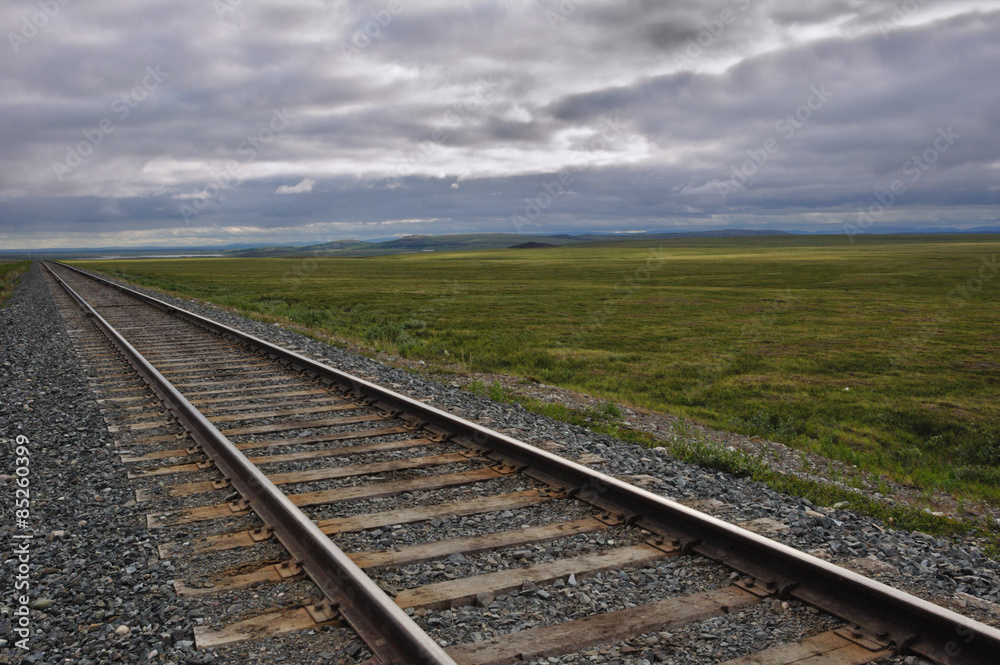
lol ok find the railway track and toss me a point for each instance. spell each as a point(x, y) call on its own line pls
point(312, 500)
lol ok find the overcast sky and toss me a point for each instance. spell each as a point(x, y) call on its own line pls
point(182, 122)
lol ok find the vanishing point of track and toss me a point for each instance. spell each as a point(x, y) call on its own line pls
point(330, 438)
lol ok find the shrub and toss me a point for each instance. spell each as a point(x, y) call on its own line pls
point(400, 335)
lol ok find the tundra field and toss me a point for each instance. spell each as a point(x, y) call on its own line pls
point(884, 353)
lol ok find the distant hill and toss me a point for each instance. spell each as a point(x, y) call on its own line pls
point(902, 230)
point(472, 241)
point(335, 247)
point(441, 243)
point(410, 244)
point(531, 245)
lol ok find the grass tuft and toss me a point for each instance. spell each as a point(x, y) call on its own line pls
point(713, 456)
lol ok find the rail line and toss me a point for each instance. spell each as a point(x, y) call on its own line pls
point(314, 453)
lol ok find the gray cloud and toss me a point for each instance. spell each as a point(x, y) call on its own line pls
point(388, 109)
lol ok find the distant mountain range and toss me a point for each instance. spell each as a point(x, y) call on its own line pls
point(901, 230)
point(437, 243)
point(473, 241)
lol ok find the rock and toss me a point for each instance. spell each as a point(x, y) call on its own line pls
point(122, 630)
point(485, 598)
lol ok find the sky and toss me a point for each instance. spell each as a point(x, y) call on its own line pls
point(210, 122)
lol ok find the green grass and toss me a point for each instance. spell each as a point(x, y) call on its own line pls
point(604, 419)
point(10, 274)
point(865, 353)
point(755, 467)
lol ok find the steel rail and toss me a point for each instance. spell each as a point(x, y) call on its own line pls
point(889, 616)
point(385, 628)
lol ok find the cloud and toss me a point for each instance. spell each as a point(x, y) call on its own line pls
point(501, 97)
point(304, 186)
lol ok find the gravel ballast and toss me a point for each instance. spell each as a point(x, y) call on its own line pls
point(94, 573)
point(98, 591)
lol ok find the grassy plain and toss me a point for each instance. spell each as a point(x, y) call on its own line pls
point(884, 353)
point(10, 273)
